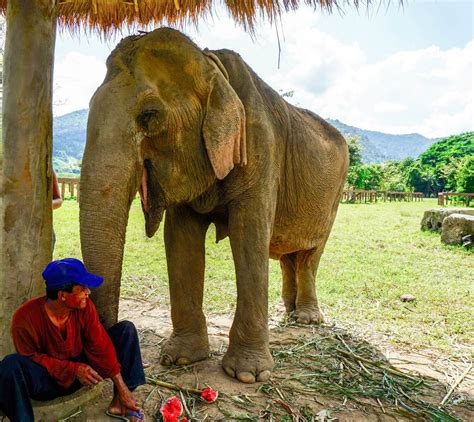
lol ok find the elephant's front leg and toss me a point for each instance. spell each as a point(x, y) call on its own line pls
point(248, 357)
point(185, 232)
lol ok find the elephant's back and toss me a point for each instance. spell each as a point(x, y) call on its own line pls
point(258, 97)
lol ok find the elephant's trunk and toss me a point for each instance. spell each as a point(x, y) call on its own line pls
point(110, 177)
point(102, 243)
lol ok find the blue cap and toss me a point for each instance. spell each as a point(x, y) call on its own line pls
point(69, 270)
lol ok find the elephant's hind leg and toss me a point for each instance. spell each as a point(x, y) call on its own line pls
point(288, 290)
point(185, 233)
point(307, 310)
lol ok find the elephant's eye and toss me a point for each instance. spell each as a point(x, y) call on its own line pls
point(145, 117)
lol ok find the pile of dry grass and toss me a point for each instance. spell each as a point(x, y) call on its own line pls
point(316, 364)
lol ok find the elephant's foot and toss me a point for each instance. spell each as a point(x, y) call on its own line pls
point(289, 303)
point(248, 365)
point(308, 314)
point(184, 349)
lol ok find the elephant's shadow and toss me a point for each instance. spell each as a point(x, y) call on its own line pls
point(319, 370)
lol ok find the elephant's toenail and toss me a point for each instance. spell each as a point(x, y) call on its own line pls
point(264, 376)
point(246, 377)
point(229, 371)
point(166, 360)
point(183, 361)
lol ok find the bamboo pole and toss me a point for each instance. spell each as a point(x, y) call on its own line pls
point(25, 156)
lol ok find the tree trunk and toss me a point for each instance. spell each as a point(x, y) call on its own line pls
point(25, 156)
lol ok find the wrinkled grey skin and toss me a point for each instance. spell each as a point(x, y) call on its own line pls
point(199, 135)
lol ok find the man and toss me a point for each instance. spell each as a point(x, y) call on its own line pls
point(57, 200)
point(62, 345)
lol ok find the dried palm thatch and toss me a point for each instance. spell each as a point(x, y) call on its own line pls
point(107, 16)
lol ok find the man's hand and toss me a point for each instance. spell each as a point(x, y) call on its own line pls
point(86, 375)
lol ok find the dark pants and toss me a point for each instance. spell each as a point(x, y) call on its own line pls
point(21, 379)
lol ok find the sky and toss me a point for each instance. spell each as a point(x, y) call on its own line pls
point(387, 68)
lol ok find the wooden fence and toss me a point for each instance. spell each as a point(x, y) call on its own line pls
point(357, 195)
point(354, 195)
point(71, 184)
point(443, 197)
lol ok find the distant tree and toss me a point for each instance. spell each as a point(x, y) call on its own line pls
point(447, 173)
point(422, 178)
point(374, 176)
point(393, 179)
point(446, 149)
point(444, 158)
point(437, 169)
point(354, 178)
point(355, 151)
point(365, 176)
point(465, 175)
point(446, 165)
point(405, 164)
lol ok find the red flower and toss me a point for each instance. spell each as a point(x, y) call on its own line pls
point(172, 410)
point(209, 395)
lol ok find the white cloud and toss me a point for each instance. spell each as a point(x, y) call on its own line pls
point(429, 91)
point(388, 107)
point(76, 77)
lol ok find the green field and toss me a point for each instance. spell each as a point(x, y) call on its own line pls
point(375, 253)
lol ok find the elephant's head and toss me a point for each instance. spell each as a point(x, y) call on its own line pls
point(165, 122)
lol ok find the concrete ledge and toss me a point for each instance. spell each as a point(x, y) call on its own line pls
point(433, 218)
point(62, 407)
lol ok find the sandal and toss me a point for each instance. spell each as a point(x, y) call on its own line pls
point(128, 414)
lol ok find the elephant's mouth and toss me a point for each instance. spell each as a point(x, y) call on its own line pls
point(153, 199)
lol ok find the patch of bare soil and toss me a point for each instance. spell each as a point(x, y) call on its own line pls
point(321, 374)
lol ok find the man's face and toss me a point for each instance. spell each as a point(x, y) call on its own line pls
point(77, 298)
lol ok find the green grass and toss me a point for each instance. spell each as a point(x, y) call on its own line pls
point(375, 253)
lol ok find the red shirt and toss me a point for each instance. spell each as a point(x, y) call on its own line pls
point(36, 337)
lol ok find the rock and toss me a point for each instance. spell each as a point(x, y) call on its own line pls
point(433, 218)
point(456, 227)
point(62, 407)
point(407, 297)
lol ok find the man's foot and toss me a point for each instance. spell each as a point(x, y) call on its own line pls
point(115, 411)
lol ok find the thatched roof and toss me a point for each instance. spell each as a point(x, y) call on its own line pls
point(106, 16)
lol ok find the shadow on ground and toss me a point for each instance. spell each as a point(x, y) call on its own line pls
point(321, 374)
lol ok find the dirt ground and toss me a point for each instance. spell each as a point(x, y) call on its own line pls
point(287, 397)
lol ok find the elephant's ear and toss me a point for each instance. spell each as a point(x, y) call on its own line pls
point(224, 127)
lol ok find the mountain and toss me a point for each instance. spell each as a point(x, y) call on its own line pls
point(69, 138)
point(378, 147)
point(69, 135)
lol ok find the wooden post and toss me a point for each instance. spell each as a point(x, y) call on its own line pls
point(63, 189)
point(25, 156)
point(440, 199)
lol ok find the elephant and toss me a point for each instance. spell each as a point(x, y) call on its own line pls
point(199, 135)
